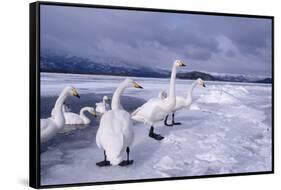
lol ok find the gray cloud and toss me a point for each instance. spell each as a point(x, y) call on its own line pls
point(209, 43)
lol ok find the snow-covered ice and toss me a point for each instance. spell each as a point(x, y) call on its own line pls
point(226, 130)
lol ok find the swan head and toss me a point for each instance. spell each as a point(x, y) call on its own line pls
point(106, 98)
point(201, 82)
point(72, 91)
point(92, 111)
point(131, 83)
point(179, 63)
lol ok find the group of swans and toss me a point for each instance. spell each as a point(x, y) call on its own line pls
point(51, 126)
point(156, 109)
point(115, 133)
point(182, 102)
point(62, 119)
point(103, 106)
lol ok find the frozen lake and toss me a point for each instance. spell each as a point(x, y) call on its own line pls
point(226, 130)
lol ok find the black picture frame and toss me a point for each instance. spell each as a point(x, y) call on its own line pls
point(34, 90)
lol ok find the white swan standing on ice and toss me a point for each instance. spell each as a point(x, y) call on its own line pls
point(102, 107)
point(156, 109)
point(115, 133)
point(79, 119)
point(50, 126)
point(183, 102)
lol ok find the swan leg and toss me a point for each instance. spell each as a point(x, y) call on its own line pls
point(165, 121)
point(128, 161)
point(154, 135)
point(104, 162)
point(173, 120)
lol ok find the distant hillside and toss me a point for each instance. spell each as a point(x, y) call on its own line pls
point(74, 64)
point(64, 63)
point(195, 75)
point(266, 80)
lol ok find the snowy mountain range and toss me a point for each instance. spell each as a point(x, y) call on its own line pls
point(65, 63)
point(74, 64)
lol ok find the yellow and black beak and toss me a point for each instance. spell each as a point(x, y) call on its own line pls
point(94, 114)
point(204, 85)
point(75, 93)
point(183, 65)
point(136, 85)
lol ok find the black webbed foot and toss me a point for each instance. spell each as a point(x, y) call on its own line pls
point(126, 162)
point(155, 136)
point(169, 125)
point(103, 163)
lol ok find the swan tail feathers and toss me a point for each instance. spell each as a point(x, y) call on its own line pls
point(114, 160)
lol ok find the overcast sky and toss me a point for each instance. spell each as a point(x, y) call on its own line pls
point(207, 43)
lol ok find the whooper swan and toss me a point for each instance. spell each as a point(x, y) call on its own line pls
point(155, 109)
point(115, 133)
point(50, 126)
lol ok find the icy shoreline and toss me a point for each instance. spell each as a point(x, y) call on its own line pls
point(226, 130)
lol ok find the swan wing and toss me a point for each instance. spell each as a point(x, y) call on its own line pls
point(125, 127)
point(47, 129)
point(146, 107)
point(158, 114)
point(72, 118)
point(100, 107)
point(110, 136)
point(150, 111)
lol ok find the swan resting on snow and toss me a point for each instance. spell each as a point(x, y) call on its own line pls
point(115, 133)
point(155, 109)
point(102, 107)
point(182, 102)
point(50, 126)
point(81, 119)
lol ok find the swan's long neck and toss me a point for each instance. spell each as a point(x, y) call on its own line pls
point(59, 117)
point(190, 91)
point(170, 101)
point(82, 114)
point(115, 104)
point(62, 97)
point(172, 82)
